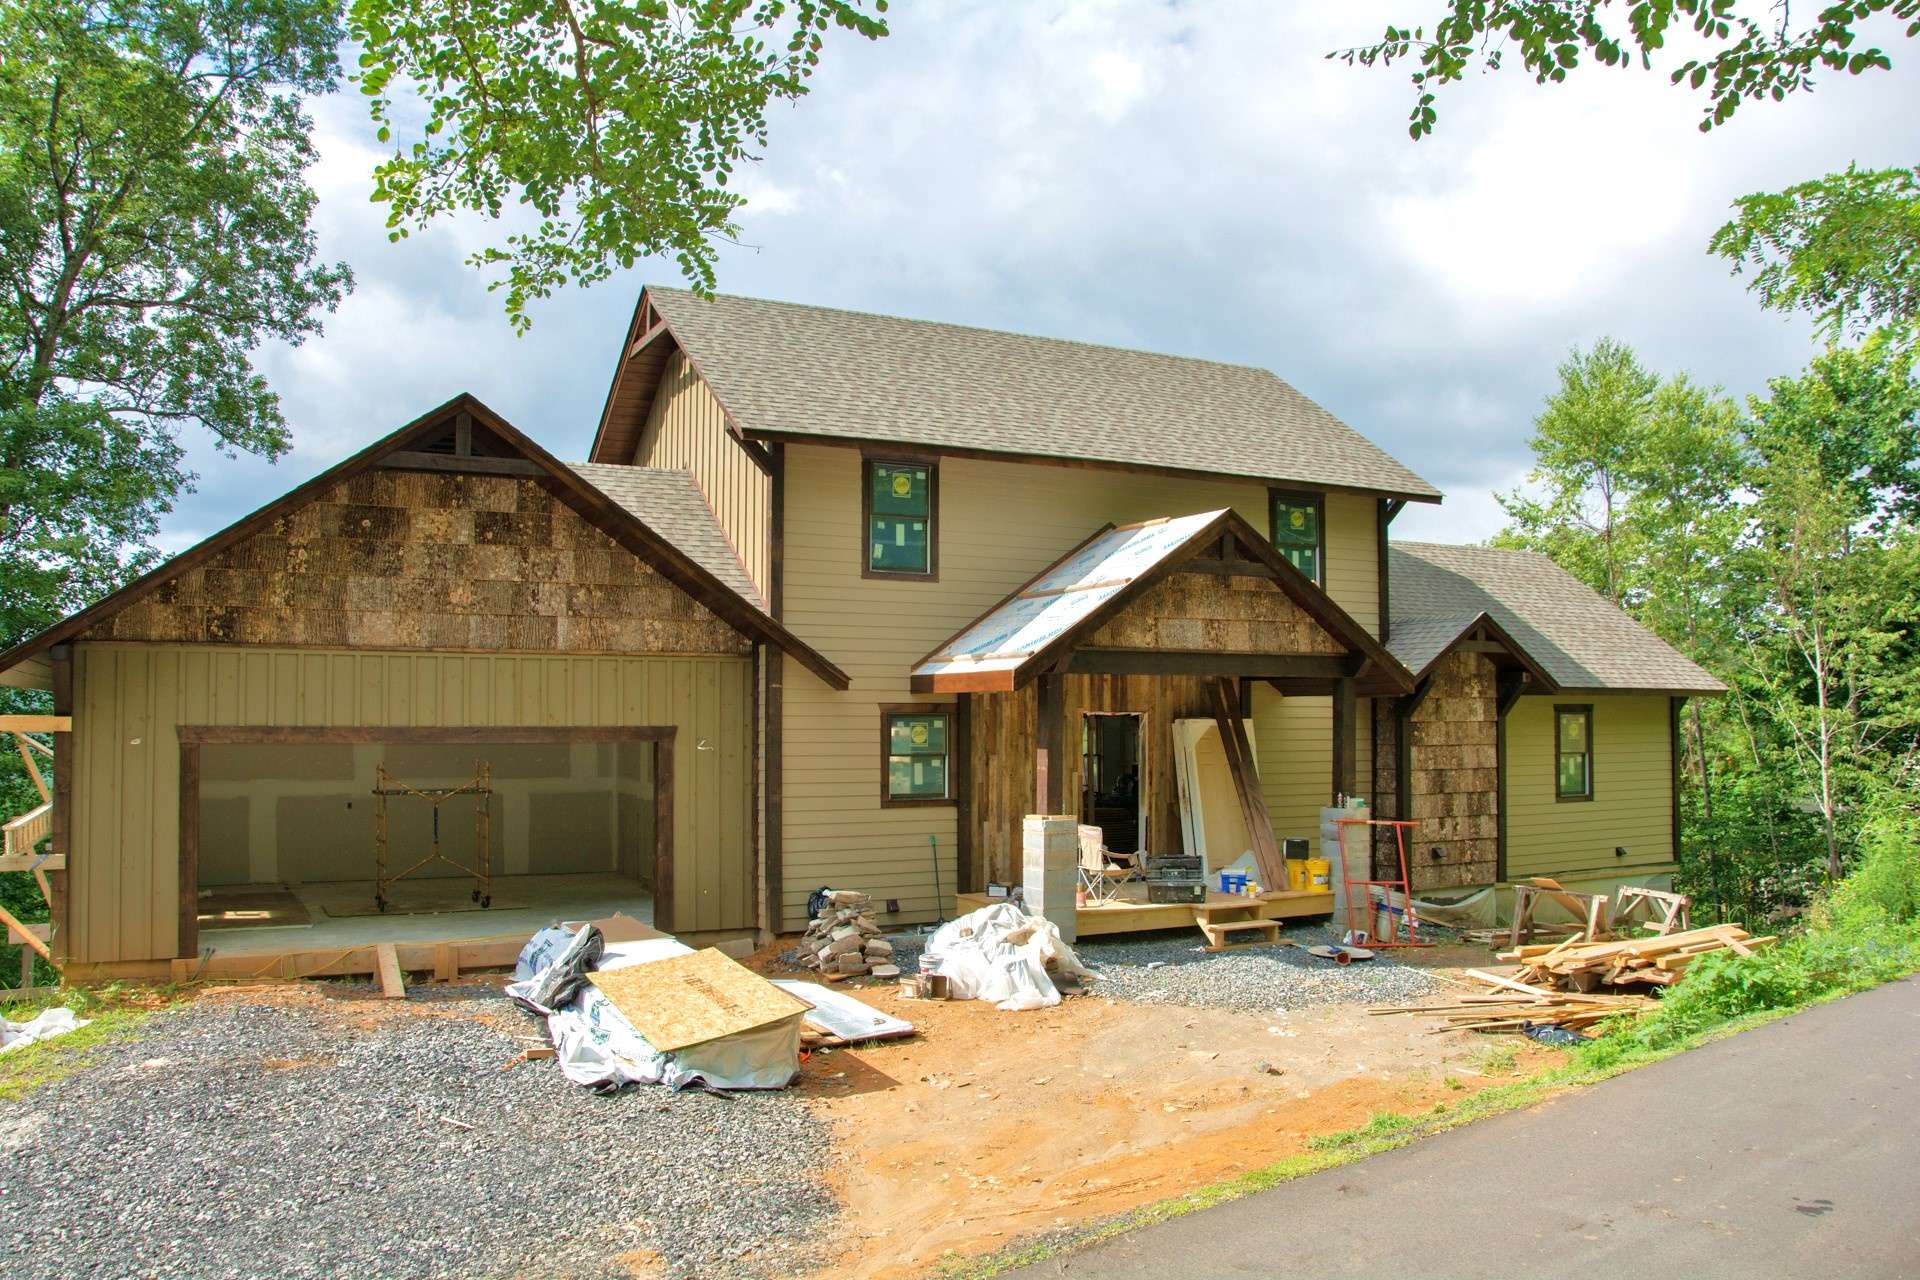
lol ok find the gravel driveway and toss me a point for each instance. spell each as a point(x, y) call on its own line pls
point(297, 1135)
point(1170, 967)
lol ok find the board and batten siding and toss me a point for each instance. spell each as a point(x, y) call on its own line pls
point(129, 700)
point(1632, 805)
point(999, 524)
point(686, 430)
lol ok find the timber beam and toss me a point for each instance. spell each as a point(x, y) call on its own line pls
point(1181, 662)
point(447, 463)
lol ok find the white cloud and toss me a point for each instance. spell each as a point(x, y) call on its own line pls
point(1195, 179)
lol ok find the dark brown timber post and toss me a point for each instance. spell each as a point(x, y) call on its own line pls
point(1049, 743)
point(1343, 713)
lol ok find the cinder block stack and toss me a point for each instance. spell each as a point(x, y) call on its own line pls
point(843, 938)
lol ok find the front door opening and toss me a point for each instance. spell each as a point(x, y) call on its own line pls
point(1111, 775)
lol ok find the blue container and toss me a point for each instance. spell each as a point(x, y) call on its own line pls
point(1233, 882)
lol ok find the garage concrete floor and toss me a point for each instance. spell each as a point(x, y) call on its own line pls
point(522, 904)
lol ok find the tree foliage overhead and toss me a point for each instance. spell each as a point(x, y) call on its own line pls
point(154, 232)
point(1844, 249)
point(616, 123)
point(1745, 58)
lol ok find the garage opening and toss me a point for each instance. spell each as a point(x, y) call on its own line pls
point(284, 843)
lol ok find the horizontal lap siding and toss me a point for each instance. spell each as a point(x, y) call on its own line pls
point(1633, 790)
point(687, 431)
point(999, 524)
point(130, 700)
point(1293, 750)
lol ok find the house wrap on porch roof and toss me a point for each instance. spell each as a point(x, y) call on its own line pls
point(1165, 619)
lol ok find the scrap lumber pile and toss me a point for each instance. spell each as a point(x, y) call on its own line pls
point(843, 941)
point(1656, 961)
point(1559, 984)
point(1513, 1010)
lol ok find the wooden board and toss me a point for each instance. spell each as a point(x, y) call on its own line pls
point(691, 999)
point(1134, 916)
point(1246, 783)
point(392, 985)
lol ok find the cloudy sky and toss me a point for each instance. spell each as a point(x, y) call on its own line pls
point(1189, 178)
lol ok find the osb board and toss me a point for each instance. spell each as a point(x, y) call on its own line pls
point(691, 999)
point(1226, 615)
point(418, 560)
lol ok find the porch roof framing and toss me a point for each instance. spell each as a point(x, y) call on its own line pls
point(1041, 626)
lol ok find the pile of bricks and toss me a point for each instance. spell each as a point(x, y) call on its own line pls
point(844, 940)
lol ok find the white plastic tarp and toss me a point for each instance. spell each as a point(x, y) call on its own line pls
point(597, 1046)
point(44, 1026)
point(1001, 954)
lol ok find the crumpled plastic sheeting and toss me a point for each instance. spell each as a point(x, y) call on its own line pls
point(48, 1024)
point(1000, 953)
point(596, 1046)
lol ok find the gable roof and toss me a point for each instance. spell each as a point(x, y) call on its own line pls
point(1581, 639)
point(507, 451)
point(1091, 584)
point(782, 370)
point(1422, 640)
point(670, 503)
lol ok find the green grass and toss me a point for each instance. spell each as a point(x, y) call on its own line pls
point(114, 1013)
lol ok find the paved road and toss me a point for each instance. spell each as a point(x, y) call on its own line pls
point(1790, 1150)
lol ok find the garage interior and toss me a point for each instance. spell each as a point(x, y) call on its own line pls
point(283, 849)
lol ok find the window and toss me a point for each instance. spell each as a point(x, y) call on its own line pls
point(913, 753)
point(901, 502)
point(1297, 531)
point(1573, 753)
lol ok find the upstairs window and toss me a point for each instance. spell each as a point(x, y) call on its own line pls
point(1573, 752)
point(913, 742)
point(1298, 532)
point(901, 504)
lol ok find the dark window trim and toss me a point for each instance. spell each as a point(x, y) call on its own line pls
point(1303, 498)
point(867, 461)
point(887, 713)
point(1573, 708)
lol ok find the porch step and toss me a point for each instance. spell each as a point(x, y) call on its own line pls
point(1219, 931)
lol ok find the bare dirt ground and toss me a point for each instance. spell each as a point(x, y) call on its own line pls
point(988, 1127)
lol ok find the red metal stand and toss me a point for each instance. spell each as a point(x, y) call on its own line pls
point(1361, 913)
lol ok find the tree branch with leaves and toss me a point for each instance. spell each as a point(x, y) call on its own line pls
point(616, 126)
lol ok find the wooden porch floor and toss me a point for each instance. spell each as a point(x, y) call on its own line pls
point(1134, 914)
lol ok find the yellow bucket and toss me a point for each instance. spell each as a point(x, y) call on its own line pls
point(1319, 875)
point(1297, 874)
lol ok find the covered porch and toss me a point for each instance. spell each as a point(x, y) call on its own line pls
point(1117, 686)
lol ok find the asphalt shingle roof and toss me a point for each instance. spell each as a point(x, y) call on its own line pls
point(1420, 638)
point(671, 504)
point(813, 371)
point(1579, 637)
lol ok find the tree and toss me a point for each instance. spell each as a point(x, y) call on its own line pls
point(1835, 659)
point(1584, 445)
point(1746, 59)
point(1844, 249)
point(617, 124)
point(154, 231)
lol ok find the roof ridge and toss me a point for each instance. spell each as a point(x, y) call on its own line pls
point(974, 328)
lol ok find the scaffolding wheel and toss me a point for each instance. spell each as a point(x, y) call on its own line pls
point(476, 895)
point(486, 901)
point(380, 902)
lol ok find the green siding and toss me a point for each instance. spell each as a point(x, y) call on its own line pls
point(1632, 805)
point(129, 700)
